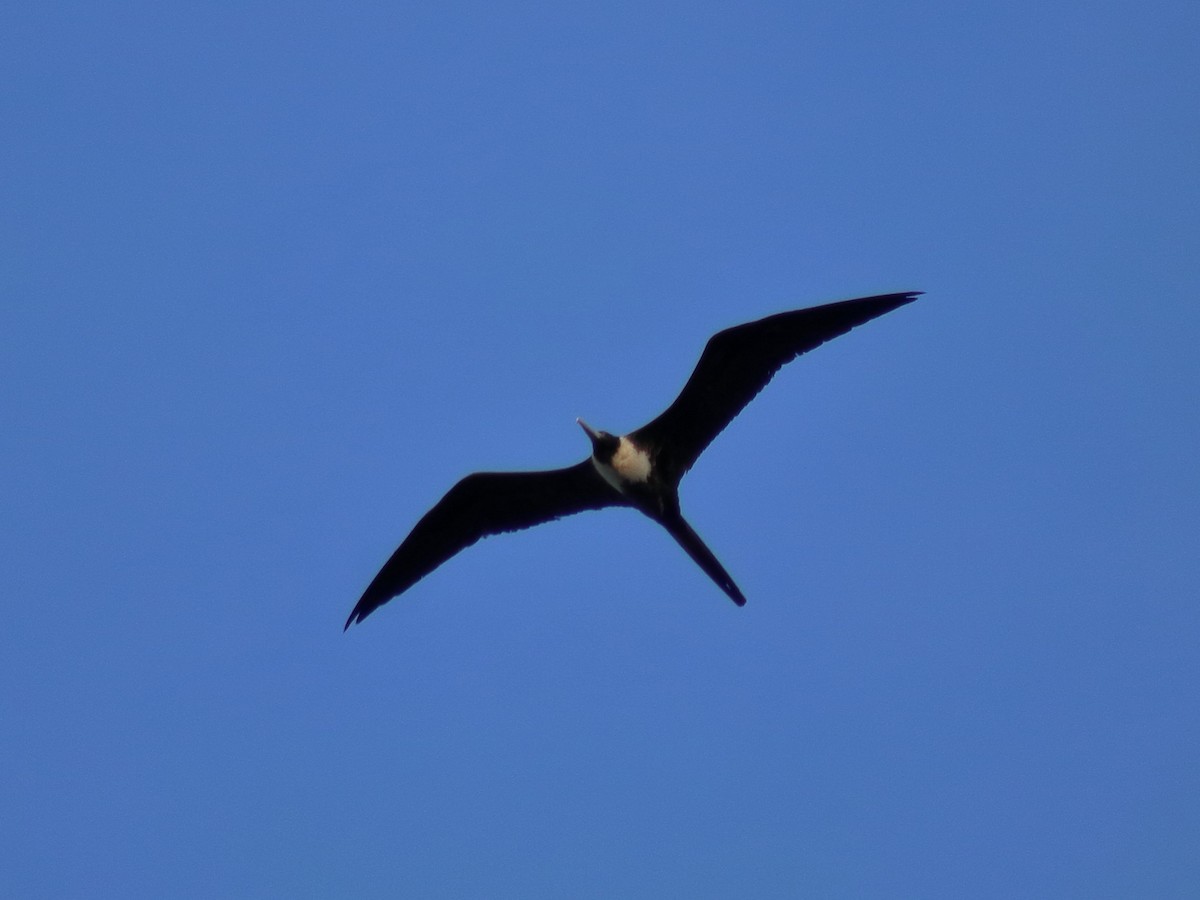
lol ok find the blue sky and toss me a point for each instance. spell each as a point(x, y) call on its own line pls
point(275, 276)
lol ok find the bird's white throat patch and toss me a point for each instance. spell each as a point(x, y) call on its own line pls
point(628, 464)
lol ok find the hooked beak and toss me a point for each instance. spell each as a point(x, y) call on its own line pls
point(591, 432)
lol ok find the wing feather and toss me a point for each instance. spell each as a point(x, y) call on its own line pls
point(481, 504)
point(737, 363)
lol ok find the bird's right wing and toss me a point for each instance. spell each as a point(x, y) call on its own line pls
point(737, 363)
point(481, 504)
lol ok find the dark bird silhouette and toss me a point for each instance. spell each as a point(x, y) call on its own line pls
point(641, 469)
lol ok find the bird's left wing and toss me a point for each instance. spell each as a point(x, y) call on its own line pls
point(737, 363)
point(481, 504)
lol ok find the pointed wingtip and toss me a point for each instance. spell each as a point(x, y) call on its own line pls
point(880, 303)
point(889, 302)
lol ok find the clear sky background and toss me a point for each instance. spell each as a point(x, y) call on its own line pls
point(274, 276)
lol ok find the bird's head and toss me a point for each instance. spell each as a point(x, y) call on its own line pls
point(604, 445)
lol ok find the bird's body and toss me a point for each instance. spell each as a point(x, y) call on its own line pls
point(630, 465)
point(641, 469)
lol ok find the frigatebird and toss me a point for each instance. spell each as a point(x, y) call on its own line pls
point(641, 469)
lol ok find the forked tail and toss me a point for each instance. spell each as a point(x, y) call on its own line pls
point(690, 541)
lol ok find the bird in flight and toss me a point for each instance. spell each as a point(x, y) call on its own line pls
point(641, 469)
